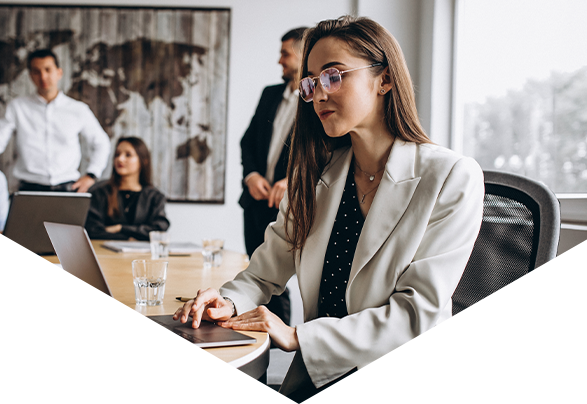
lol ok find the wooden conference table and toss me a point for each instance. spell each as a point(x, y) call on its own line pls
point(49, 354)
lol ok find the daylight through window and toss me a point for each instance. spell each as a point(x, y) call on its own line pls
point(521, 88)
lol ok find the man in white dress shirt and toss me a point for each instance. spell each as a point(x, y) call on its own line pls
point(47, 126)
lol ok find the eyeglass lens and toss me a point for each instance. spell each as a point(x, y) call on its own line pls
point(329, 78)
point(307, 89)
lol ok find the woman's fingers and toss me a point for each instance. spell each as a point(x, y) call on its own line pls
point(182, 313)
point(211, 307)
point(196, 313)
point(204, 299)
point(196, 308)
point(261, 319)
point(223, 312)
point(260, 316)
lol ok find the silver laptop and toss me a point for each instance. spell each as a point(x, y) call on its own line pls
point(77, 256)
point(28, 211)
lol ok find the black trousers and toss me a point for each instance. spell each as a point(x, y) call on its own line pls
point(29, 186)
point(256, 219)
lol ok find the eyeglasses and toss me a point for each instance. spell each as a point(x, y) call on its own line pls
point(331, 80)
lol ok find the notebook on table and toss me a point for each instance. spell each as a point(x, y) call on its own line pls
point(77, 256)
point(28, 210)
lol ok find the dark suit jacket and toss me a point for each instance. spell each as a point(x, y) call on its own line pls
point(256, 140)
point(149, 216)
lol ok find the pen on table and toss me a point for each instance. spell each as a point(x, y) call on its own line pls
point(183, 299)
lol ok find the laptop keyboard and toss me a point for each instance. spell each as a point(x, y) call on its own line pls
point(150, 332)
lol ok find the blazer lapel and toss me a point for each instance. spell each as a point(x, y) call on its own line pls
point(328, 194)
point(391, 200)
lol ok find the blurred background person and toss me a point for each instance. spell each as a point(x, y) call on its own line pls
point(48, 126)
point(127, 205)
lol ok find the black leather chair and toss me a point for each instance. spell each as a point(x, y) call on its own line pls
point(499, 303)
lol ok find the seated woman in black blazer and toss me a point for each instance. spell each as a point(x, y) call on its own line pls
point(127, 205)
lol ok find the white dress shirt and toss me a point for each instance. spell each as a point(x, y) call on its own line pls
point(47, 139)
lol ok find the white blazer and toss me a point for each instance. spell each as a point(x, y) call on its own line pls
point(412, 251)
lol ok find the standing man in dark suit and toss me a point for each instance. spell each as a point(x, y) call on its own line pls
point(265, 152)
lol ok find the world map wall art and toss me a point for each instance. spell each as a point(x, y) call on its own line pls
point(157, 73)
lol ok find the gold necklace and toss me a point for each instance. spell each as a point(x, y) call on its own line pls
point(362, 201)
point(371, 176)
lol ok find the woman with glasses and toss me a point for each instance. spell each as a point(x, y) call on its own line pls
point(127, 205)
point(378, 223)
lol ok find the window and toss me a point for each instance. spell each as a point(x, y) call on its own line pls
point(521, 88)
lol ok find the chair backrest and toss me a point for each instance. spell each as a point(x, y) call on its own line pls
point(520, 231)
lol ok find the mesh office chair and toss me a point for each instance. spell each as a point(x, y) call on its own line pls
point(499, 303)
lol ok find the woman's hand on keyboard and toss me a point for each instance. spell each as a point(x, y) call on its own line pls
point(262, 319)
point(207, 305)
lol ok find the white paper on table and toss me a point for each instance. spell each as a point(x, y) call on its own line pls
point(32, 280)
point(145, 247)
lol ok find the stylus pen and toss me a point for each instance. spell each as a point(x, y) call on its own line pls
point(183, 299)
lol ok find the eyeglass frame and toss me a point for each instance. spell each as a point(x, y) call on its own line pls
point(312, 79)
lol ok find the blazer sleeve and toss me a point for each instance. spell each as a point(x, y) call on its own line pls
point(271, 266)
point(331, 347)
point(156, 219)
point(249, 142)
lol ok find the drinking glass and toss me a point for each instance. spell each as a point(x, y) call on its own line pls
point(149, 278)
point(159, 244)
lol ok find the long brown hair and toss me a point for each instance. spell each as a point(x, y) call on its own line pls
point(311, 148)
point(144, 176)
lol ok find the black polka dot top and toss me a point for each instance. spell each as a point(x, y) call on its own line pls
point(340, 252)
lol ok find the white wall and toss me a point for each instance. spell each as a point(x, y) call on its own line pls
point(424, 30)
point(256, 29)
point(402, 19)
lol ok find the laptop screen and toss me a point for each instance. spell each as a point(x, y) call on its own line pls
point(28, 211)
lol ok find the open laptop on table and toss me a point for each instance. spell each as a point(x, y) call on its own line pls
point(77, 256)
point(28, 210)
